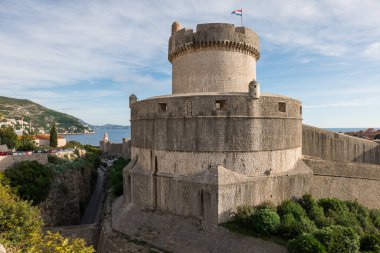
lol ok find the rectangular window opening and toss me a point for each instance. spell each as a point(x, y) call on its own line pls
point(282, 106)
point(220, 105)
point(162, 107)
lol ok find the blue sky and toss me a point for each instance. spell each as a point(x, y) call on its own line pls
point(86, 57)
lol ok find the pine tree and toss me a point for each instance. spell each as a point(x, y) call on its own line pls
point(53, 137)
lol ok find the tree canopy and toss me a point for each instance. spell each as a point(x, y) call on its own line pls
point(8, 136)
point(53, 137)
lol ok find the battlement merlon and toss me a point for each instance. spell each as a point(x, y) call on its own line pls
point(219, 36)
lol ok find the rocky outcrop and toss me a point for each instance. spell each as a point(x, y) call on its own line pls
point(2, 249)
point(68, 196)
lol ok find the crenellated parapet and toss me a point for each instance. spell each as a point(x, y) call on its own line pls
point(215, 58)
point(214, 36)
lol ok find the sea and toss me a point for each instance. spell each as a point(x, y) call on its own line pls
point(116, 134)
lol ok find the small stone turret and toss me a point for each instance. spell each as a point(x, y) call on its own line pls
point(175, 27)
point(254, 89)
point(132, 99)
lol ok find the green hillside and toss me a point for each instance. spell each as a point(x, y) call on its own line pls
point(37, 118)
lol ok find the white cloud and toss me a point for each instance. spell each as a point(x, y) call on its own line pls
point(48, 45)
point(373, 50)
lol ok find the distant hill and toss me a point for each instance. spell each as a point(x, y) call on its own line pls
point(34, 118)
point(112, 126)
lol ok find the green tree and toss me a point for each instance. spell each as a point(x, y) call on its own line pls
point(31, 179)
point(21, 228)
point(53, 137)
point(8, 136)
point(26, 143)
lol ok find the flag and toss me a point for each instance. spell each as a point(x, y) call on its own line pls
point(238, 12)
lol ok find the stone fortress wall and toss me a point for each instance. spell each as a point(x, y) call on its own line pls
point(216, 143)
point(343, 166)
point(122, 149)
point(216, 57)
point(333, 146)
point(8, 161)
point(242, 136)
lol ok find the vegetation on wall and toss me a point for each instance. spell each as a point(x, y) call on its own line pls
point(115, 176)
point(308, 226)
point(21, 227)
point(31, 179)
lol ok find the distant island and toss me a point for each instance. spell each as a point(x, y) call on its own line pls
point(28, 117)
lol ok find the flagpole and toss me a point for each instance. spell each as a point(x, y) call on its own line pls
point(241, 17)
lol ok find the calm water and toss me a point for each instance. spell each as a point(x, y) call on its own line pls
point(115, 135)
point(344, 130)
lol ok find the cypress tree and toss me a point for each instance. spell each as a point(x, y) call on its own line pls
point(53, 137)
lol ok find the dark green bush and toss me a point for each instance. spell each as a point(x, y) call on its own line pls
point(265, 221)
point(344, 240)
point(305, 243)
point(73, 144)
point(314, 211)
point(116, 171)
point(291, 227)
point(333, 206)
point(267, 205)
point(53, 159)
point(370, 243)
point(31, 179)
point(291, 207)
point(244, 215)
point(375, 217)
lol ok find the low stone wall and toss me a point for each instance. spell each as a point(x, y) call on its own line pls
point(90, 232)
point(118, 149)
point(8, 161)
point(333, 146)
point(347, 181)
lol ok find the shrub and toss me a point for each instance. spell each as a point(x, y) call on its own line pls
point(31, 179)
point(307, 203)
point(375, 217)
point(20, 228)
point(291, 207)
point(19, 222)
point(338, 239)
point(266, 205)
point(73, 144)
point(291, 227)
point(314, 211)
point(244, 215)
point(370, 242)
point(54, 242)
point(305, 243)
point(116, 171)
point(332, 206)
point(265, 221)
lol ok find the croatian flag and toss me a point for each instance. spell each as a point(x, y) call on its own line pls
point(238, 12)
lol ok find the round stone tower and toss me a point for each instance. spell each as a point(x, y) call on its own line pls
point(216, 142)
point(215, 58)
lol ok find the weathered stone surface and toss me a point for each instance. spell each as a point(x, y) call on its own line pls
point(346, 180)
point(2, 249)
point(217, 57)
point(172, 233)
point(338, 147)
point(69, 192)
point(8, 161)
point(89, 232)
